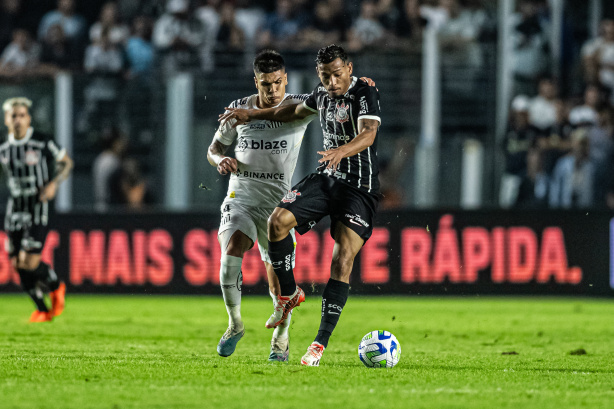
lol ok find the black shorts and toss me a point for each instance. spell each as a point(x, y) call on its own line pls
point(319, 195)
point(30, 239)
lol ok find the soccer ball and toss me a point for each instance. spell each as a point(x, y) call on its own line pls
point(379, 349)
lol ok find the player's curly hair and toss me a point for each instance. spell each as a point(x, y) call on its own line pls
point(268, 61)
point(331, 53)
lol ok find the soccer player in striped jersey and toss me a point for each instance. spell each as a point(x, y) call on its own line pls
point(34, 166)
point(345, 186)
point(261, 171)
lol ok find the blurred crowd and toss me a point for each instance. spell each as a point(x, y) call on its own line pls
point(560, 150)
point(113, 37)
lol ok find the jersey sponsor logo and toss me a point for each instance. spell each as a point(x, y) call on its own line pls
point(275, 147)
point(341, 114)
point(263, 175)
point(364, 108)
point(336, 137)
point(356, 219)
point(290, 196)
point(32, 157)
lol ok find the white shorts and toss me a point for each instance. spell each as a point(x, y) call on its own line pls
point(251, 221)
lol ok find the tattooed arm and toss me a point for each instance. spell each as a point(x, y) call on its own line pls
point(216, 154)
point(63, 168)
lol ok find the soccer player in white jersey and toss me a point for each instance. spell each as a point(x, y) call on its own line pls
point(345, 186)
point(261, 171)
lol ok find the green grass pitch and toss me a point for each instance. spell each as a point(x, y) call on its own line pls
point(159, 352)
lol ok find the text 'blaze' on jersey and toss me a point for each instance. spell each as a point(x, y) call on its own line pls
point(339, 120)
point(29, 164)
point(266, 152)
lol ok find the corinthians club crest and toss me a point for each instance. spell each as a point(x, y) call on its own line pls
point(290, 196)
point(341, 114)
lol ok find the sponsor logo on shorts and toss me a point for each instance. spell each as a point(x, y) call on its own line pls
point(357, 220)
point(312, 224)
point(290, 196)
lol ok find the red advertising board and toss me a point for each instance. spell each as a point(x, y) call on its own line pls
point(410, 252)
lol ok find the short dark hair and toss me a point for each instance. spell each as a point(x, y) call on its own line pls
point(268, 61)
point(331, 53)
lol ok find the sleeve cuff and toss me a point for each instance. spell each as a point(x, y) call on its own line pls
point(60, 154)
point(377, 118)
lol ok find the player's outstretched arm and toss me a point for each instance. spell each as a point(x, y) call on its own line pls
point(63, 168)
point(367, 131)
point(286, 113)
point(216, 155)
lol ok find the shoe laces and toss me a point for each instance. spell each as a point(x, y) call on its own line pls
point(229, 333)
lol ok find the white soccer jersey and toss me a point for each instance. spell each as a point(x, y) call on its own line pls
point(266, 152)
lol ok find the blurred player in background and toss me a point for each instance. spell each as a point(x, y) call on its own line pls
point(344, 187)
point(261, 172)
point(35, 166)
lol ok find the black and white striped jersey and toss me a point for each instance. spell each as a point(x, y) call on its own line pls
point(339, 121)
point(28, 164)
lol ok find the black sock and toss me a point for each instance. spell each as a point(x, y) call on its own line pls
point(28, 283)
point(46, 274)
point(333, 300)
point(281, 254)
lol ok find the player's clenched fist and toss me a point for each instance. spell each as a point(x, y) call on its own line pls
point(227, 165)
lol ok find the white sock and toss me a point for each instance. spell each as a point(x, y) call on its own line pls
point(231, 281)
point(281, 331)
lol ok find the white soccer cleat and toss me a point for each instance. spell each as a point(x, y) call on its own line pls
point(283, 307)
point(280, 350)
point(313, 355)
point(228, 342)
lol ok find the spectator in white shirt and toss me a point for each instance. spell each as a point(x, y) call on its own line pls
point(598, 57)
point(178, 37)
point(586, 114)
point(542, 109)
point(109, 19)
point(21, 55)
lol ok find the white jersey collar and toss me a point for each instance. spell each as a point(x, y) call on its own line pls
point(13, 141)
point(255, 104)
